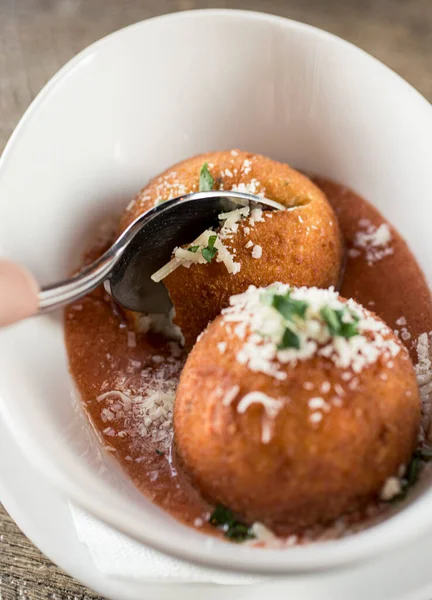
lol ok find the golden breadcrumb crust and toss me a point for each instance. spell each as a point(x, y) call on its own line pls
point(308, 473)
point(302, 247)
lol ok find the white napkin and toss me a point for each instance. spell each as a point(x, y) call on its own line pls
point(116, 555)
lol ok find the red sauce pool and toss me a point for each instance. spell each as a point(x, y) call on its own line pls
point(106, 354)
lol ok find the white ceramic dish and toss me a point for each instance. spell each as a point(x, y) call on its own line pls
point(45, 517)
point(123, 110)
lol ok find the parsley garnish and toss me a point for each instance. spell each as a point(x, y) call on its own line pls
point(336, 324)
point(235, 530)
point(290, 310)
point(413, 469)
point(210, 251)
point(288, 307)
point(332, 319)
point(289, 340)
point(206, 181)
point(193, 249)
point(159, 452)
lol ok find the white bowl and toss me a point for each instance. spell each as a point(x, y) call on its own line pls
point(123, 110)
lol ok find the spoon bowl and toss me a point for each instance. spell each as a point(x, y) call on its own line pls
point(148, 243)
point(127, 266)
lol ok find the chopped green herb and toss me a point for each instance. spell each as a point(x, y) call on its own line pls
point(415, 466)
point(239, 532)
point(336, 324)
point(291, 310)
point(193, 249)
point(209, 254)
point(210, 251)
point(159, 452)
point(349, 330)
point(413, 470)
point(288, 307)
point(235, 530)
point(206, 181)
point(289, 340)
point(211, 241)
point(221, 516)
point(330, 316)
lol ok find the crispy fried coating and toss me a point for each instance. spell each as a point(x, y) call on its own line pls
point(300, 246)
point(311, 471)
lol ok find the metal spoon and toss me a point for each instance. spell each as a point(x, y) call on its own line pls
point(126, 267)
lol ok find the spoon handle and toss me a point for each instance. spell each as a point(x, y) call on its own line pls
point(67, 291)
point(19, 293)
point(22, 297)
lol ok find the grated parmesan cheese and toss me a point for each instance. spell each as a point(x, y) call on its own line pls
point(222, 347)
point(325, 387)
point(262, 533)
point(315, 417)
point(256, 251)
point(374, 241)
point(160, 323)
point(256, 216)
point(252, 187)
point(231, 219)
point(339, 389)
point(270, 405)
point(391, 488)
point(140, 404)
point(183, 257)
point(246, 166)
point(316, 403)
point(167, 187)
point(230, 395)
point(262, 353)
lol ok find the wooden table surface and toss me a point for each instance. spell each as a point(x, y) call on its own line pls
point(38, 36)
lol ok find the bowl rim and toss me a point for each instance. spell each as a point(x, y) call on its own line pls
point(77, 484)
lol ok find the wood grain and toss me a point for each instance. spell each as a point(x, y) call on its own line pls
point(38, 36)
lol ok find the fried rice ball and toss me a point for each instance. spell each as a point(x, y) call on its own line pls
point(296, 437)
point(300, 246)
